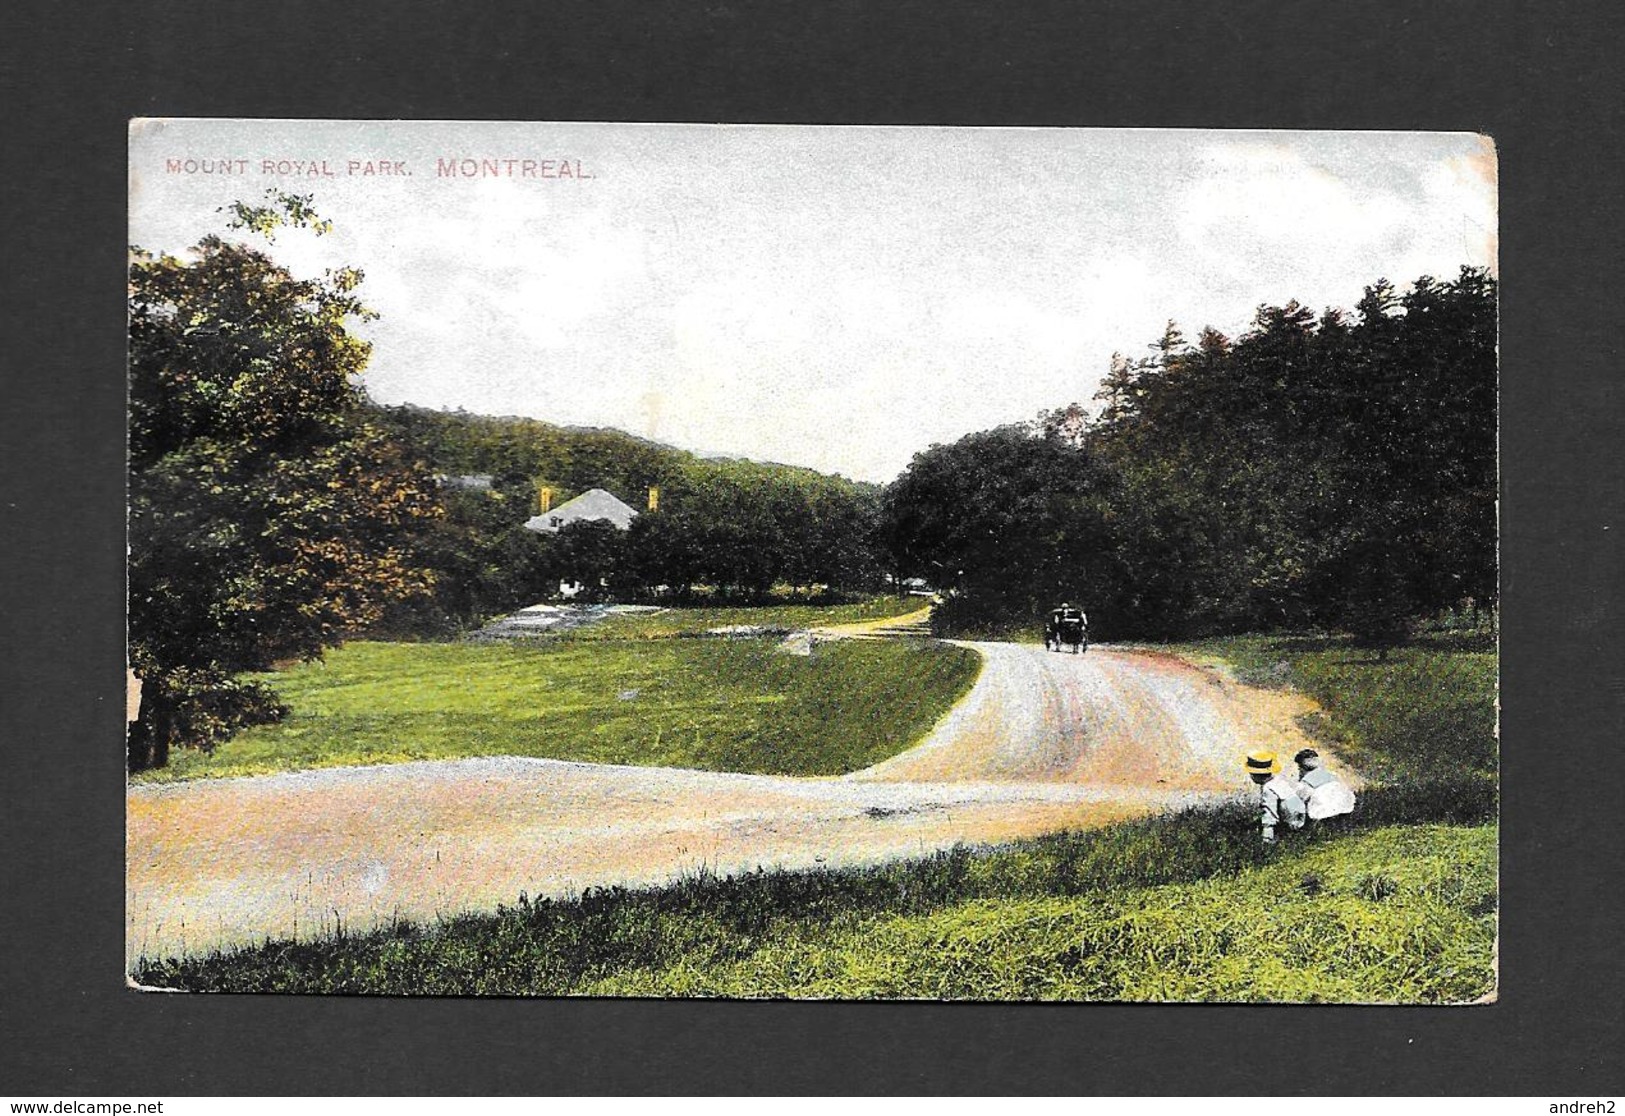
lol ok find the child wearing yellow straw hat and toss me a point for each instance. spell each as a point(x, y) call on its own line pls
point(1278, 800)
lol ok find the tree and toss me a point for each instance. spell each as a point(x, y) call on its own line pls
point(1415, 425)
point(1317, 470)
point(742, 527)
point(589, 552)
point(662, 550)
point(266, 516)
point(1329, 471)
point(1007, 521)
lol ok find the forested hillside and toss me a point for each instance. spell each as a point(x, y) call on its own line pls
point(735, 527)
point(1333, 470)
point(532, 452)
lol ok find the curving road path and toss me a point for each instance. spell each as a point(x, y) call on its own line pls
point(1042, 742)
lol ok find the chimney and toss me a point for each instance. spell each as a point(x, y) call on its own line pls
point(545, 497)
point(654, 497)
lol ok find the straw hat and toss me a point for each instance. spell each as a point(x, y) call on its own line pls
point(1263, 763)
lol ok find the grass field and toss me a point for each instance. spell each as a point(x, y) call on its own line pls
point(1424, 712)
point(1184, 907)
point(1399, 915)
point(725, 705)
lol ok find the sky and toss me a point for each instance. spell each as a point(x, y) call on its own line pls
point(834, 297)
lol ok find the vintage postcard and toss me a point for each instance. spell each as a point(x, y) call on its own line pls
point(812, 562)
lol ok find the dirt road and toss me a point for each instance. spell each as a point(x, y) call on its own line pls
point(1042, 742)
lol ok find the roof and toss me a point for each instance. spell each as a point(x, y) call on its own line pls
point(595, 503)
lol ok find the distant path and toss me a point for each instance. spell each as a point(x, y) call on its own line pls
point(916, 623)
point(1042, 742)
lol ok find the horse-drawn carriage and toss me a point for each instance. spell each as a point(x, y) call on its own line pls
point(1067, 627)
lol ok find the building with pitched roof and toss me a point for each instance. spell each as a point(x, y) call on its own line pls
point(595, 503)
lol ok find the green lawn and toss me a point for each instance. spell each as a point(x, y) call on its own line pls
point(726, 705)
point(1398, 915)
point(1425, 711)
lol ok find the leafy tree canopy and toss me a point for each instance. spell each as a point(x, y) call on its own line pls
point(265, 512)
point(1332, 470)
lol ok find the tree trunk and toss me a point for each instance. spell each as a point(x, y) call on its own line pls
point(149, 737)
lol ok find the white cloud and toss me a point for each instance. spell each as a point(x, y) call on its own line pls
point(1258, 212)
point(1273, 195)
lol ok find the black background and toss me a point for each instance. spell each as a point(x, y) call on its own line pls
point(1543, 79)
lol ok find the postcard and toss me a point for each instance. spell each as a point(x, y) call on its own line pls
point(834, 562)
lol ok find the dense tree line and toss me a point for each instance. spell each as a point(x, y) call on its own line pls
point(1333, 470)
point(743, 528)
point(737, 528)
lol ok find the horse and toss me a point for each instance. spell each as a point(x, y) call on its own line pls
point(1067, 627)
